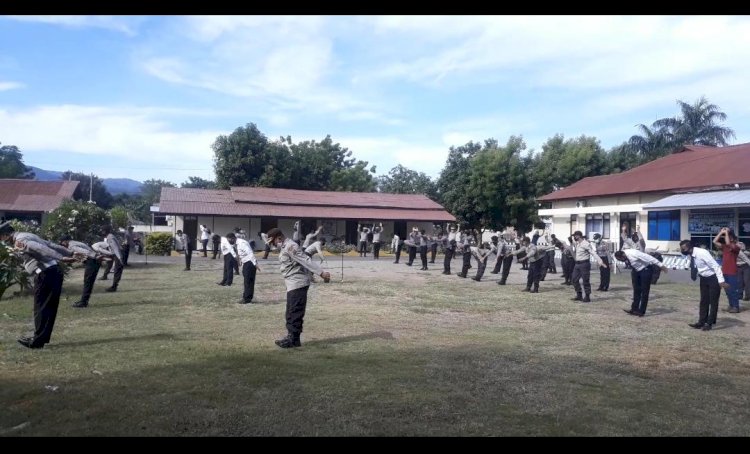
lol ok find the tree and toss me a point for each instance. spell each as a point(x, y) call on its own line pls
point(356, 178)
point(453, 184)
point(563, 162)
point(314, 163)
point(11, 163)
point(500, 186)
point(100, 195)
point(136, 206)
point(199, 183)
point(247, 158)
point(697, 125)
point(651, 143)
point(119, 217)
point(401, 180)
point(622, 158)
point(151, 190)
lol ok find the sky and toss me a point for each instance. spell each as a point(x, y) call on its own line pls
point(145, 96)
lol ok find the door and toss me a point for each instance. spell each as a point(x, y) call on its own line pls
point(308, 226)
point(399, 228)
point(351, 232)
point(190, 227)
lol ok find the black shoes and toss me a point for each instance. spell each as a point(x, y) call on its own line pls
point(103, 278)
point(186, 269)
point(288, 342)
point(586, 299)
point(110, 289)
point(696, 325)
point(536, 290)
point(80, 304)
point(526, 290)
point(500, 282)
point(706, 327)
point(475, 279)
point(632, 312)
point(244, 302)
point(29, 342)
point(578, 297)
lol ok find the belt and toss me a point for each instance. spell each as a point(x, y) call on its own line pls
point(583, 261)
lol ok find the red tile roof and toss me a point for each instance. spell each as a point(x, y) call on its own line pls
point(34, 196)
point(292, 203)
point(693, 169)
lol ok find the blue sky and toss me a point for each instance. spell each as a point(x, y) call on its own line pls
point(145, 97)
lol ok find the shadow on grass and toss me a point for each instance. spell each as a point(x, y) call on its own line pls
point(725, 323)
point(659, 311)
point(359, 337)
point(95, 305)
point(111, 340)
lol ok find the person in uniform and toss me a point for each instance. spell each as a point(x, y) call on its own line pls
point(188, 247)
point(40, 260)
point(582, 268)
point(363, 232)
point(249, 265)
point(396, 244)
point(92, 262)
point(602, 250)
point(640, 274)
point(377, 231)
point(114, 246)
point(297, 269)
point(711, 282)
point(230, 259)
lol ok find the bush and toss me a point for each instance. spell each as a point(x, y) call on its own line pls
point(338, 247)
point(119, 217)
point(26, 226)
point(11, 271)
point(81, 220)
point(159, 243)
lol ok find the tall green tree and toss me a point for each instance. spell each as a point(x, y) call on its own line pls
point(453, 184)
point(151, 190)
point(313, 164)
point(99, 193)
point(198, 183)
point(563, 162)
point(11, 163)
point(357, 178)
point(402, 180)
point(697, 124)
point(500, 186)
point(247, 158)
point(136, 206)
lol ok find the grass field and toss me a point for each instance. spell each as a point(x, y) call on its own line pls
point(389, 351)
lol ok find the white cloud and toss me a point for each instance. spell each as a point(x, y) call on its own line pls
point(124, 24)
point(387, 152)
point(5, 86)
point(139, 134)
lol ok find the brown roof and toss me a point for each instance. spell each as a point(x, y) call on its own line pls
point(34, 196)
point(292, 203)
point(694, 168)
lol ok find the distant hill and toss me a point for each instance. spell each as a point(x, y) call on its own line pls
point(114, 185)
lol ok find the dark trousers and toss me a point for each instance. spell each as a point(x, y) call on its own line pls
point(543, 267)
point(266, 251)
point(564, 265)
point(205, 247)
point(296, 302)
point(507, 262)
point(433, 252)
point(47, 289)
point(188, 258)
point(569, 265)
point(125, 252)
point(216, 250)
point(604, 275)
point(376, 249)
point(481, 266)
point(498, 265)
point(641, 288)
point(743, 276)
point(412, 254)
point(466, 264)
point(229, 263)
point(709, 306)
point(447, 261)
point(524, 264)
point(582, 270)
point(423, 256)
point(248, 272)
point(89, 277)
point(398, 252)
point(551, 266)
point(117, 273)
point(534, 274)
point(655, 274)
point(363, 248)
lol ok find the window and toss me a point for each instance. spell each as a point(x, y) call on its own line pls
point(664, 225)
point(598, 223)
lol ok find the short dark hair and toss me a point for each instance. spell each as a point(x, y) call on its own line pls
point(231, 236)
point(620, 255)
point(274, 233)
point(577, 233)
point(687, 243)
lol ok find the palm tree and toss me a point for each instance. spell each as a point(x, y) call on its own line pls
point(697, 125)
point(651, 144)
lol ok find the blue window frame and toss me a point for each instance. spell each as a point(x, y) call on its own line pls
point(664, 225)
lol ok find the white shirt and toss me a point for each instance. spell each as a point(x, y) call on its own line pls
point(706, 264)
point(227, 248)
point(315, 249)
point(204, 233)
point(394, 242)
point(245, 252)
point(640, 260)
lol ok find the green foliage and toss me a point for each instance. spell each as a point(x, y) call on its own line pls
point(199, 183)
point(136, 206)
point(81, 220)
point(401, 180)
point(99, 194)
point(26, 226)
point(356, 179)
point(563, 162)
point(119, 217)
point(159, 243)
point(453, 183)
point(11, 163)
point(11, 270)
point(338, 247)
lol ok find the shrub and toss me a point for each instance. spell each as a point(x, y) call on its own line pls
point(338, 247)
point(11, 271)
point(159, 243)
point(26, 226)
point(81, 220)
point(119, 217)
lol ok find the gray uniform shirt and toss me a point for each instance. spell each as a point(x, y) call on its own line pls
point(296, 266)
point(37, 257)
point(584, 251)
point(82, 248)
